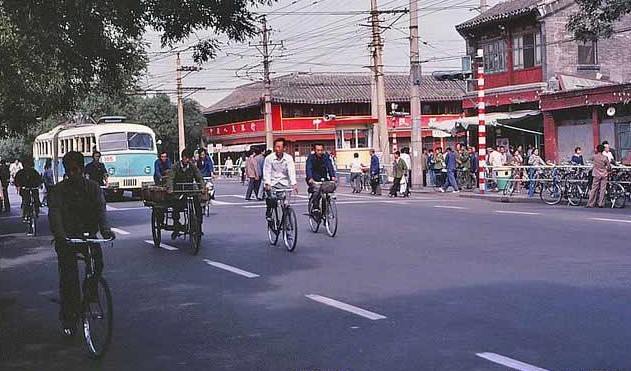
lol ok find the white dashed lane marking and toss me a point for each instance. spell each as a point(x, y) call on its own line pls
point(346, 307)
point(450, 207)
point(611, 220)
point(232, 269)
point(163, 245)
point(509, 362)
point(516, 212)
point(120, 231)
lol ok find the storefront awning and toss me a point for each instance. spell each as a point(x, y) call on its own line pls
point(237, 148)
point(492, 119)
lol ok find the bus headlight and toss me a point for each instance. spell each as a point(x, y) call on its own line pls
point(111, 171)
point(147, 169)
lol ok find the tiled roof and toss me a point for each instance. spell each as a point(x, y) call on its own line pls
point(501, 11)
point(319, 88)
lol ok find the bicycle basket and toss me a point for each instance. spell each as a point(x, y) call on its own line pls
point(328, 187)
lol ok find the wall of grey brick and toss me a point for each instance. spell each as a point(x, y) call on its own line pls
point(614, 54)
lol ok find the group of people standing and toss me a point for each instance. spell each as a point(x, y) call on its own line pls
point(442, 167)
point(254, 173)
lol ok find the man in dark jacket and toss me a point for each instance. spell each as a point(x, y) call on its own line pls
point(184, 176)
point(160, 167)
point(451, 165)
point(76, 207)
point(5, 176)
point(319, 167)
point(95, 170)
point(27, 181)
point(475, 165)
point(375, 171)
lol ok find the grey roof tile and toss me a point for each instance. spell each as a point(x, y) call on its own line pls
point(503, 10)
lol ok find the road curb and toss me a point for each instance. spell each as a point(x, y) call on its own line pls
point(500, 198)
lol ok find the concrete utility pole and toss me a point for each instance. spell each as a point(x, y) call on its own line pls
point(266, 48)
point(481, 120)
point(415, 99)
point(383, 142)
point(180, 106)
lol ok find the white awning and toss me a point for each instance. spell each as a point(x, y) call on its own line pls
point(492, 119)
point(236, 148)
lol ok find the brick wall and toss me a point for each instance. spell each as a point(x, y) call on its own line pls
point(614, 54)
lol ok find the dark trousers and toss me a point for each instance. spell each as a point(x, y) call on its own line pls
point(451, 180)
point(396, 186)
point(69, 289)
point(253, 186)
point(5, 195)
point(424, 178)
point(374, 184)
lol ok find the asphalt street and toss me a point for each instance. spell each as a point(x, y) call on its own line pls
point(434, 282)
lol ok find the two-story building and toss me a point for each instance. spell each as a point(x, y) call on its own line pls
point(334, 109)
point(528, 51)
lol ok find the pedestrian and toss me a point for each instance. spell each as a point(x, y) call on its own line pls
point(405, 156)
point(577, 158)
point(439, 167)
point(205, 164)
point(5, 178)
point(228, 165)
point(431, 161)
point(252, 172)
point(535, 161)
point(520, 149)
point(49, 179)
point(399, 169)
point(241, 163)
point(451, 165)
point(609, 152)
point(464, 162)
point(260, 163)
point(503, 156)
point(424, 158)
point(517, 162)
point(356, 173)
point(475, 165)
point(95, 170)
point(600, 173)
point(14, 168)
point(375, 171)
point(160, 167)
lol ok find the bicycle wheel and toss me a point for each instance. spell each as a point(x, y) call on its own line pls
point(509, 190)
point(314, 222)
point(551, 194)
point(194, 231)
point(290, 229)
point(34, 224)
point(156, 233)
point(574, 195)
point(97, 318)
point(330, 217)
point(616, 195)
point(273, 228)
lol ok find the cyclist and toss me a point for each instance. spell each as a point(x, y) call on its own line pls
point(184, 171)
point(75, 207)
point(28, 177)
point(279, 172)
point(95, 170)
point(319, 167)
point(161, 167)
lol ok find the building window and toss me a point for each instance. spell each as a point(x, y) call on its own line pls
point(623, 141)
point(588, 53)
point(495, 56)
point(527, 50)
point(353, 138)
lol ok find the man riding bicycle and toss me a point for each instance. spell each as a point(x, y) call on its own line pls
point(76, 206)
point(319, 167)
point(28, 177)
point(279, 173)
point(183, 172)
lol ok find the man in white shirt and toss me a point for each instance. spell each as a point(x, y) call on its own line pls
point(608, 153)
point(495, 158)
point(279, 173)
point(356, 173)
point(405, 156)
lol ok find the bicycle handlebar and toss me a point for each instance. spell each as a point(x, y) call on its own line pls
point(88, 240)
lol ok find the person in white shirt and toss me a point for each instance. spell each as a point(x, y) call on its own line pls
point(279, 173)
point(228, 166)
point(405, 156)
point(495, 158)
point(608, 153)
point(356, 173)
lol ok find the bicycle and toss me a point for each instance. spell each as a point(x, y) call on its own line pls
point(328, 209)
point(96, 312)
point(357, 182)
point(283, 220)
point(465, 179)
point(31, 209)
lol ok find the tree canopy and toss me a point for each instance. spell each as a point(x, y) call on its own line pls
point(56, 52)
point(596, 18)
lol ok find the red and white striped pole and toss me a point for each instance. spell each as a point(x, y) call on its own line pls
point(481, 121)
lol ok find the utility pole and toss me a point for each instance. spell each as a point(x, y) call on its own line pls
point(180, 106)
point(481, 120)
point(382, 142)
point(415, 99)
point(266, 48)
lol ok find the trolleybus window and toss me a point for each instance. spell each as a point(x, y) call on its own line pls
point(140, 141)
point(125, 141)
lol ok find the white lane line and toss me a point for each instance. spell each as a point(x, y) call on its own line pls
point(509, 362)
point(232, 269)
point(128, 208)
point(516, 212)
point(120, 231)
point(346, 307)
point(450, 207)
point(611, 220)
point(110, 208)
point(162, 245)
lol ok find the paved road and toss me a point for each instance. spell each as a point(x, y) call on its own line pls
point(434, 282)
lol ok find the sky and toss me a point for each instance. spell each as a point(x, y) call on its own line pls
point(319, 36)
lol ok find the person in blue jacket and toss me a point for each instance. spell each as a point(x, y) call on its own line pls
point(160, 167)
point(375, 170)
point(205, 164)
point(450, 164)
